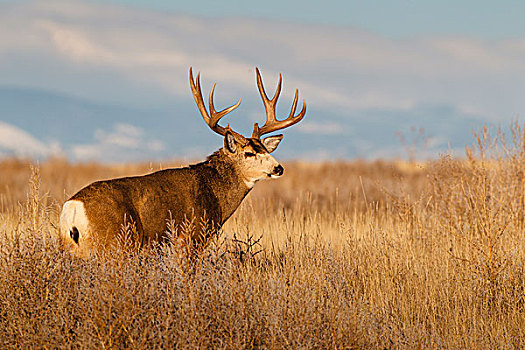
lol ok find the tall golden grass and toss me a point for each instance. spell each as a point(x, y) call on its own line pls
point(333, 255)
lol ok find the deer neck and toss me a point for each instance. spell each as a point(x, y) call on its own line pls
point(228, 185)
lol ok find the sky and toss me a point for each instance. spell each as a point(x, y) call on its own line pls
point(108, 80)
point(392, 19)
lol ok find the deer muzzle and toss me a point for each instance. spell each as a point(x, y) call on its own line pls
point(278, 170)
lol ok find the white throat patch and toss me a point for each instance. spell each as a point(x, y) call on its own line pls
point(250, 183)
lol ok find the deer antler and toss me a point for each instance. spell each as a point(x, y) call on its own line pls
point(212, 120)
point(272, 124)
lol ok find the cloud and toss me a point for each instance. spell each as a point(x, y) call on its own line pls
point(74, 44)
point(336, 68)
point(19, 143)
point(140, 59)
point(124, 142)
point(328, 128)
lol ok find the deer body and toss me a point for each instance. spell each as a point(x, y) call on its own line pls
point(210, 191)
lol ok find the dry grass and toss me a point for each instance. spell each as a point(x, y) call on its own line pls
point(352, 255)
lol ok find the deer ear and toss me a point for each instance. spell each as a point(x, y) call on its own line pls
point(271, 142)
point(229, 142)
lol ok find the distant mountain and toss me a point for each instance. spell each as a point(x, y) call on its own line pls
point(45, 123)
point(69, 122)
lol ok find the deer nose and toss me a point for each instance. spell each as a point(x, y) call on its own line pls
point(278, 170)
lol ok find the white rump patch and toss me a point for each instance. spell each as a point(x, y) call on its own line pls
point(74, 215)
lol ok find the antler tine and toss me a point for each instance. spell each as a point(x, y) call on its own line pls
point(272, 124)
point(212, 120)
point(268, 104)
point(197, 95)
point(216, 116)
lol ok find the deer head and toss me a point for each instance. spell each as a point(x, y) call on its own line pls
point(251, 155)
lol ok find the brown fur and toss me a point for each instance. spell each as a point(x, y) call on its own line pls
point(212, 189)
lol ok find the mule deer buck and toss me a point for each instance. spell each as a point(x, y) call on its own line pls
point(213, 189)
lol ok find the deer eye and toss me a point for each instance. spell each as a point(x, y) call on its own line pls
point(249, 154)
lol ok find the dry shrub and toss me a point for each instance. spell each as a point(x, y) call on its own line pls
point(333, 255)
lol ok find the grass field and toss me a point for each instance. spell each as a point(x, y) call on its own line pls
point(332, 255)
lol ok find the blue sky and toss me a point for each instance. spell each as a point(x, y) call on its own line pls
point(108, 81)
point(392, 19)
